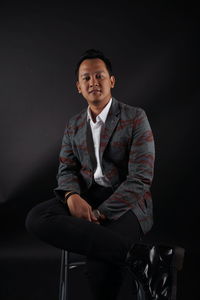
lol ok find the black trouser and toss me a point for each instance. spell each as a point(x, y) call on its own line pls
point(105, 245)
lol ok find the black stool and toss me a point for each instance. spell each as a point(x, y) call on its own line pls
point(71, 260)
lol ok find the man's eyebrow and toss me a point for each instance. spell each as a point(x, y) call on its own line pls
point(85, 74)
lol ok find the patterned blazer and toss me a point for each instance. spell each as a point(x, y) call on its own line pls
point(127, 156)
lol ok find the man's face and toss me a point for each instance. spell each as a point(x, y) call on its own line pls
point(94, 81)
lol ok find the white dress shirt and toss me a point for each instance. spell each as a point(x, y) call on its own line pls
point(96, 131)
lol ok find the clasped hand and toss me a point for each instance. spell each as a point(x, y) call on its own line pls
point(79, 208)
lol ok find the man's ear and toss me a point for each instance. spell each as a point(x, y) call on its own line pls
point(78, 87)
point(112, 81)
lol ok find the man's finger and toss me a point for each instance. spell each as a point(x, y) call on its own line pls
point(92, 215)
point(94, 218)
point(89, 217)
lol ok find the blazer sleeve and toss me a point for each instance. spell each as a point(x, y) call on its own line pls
point(134, 191)
point(69, 166)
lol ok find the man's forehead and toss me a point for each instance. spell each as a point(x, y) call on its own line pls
point(95, 64)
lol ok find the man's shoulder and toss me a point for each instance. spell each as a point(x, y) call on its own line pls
point(78, 118)
point(129, 110)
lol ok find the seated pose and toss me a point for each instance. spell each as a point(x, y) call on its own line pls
point(102, 205)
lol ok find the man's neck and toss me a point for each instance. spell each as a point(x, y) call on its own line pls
point(96, 110)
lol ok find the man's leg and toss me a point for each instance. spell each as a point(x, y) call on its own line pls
point(52, 223)
point(105, 245)
point(105, 279)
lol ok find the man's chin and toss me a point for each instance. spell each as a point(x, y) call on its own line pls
point(94, 101)
point(97, 101)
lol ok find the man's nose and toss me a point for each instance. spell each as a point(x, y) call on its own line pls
point(94, 81)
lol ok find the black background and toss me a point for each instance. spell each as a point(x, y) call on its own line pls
point(155, 55)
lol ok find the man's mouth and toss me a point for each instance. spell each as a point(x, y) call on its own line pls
point(95, 91)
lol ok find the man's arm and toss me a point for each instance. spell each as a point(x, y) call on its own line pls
point(68, 190)
point(135, 188)
point(69, 167)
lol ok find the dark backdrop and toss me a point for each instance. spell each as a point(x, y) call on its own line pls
point(155, 55)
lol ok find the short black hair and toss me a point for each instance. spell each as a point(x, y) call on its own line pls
point(92, 54)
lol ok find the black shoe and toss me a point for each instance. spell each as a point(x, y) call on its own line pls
point(155, 267)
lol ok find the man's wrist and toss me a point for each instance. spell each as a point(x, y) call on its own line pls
point(68, 194)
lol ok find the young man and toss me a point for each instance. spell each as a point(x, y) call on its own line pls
point(103, 203)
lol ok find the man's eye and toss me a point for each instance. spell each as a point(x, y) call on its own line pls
point(99, 76)
point(86, 78)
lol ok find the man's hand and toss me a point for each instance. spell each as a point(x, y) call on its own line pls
point(100, 217)
point(79, 208)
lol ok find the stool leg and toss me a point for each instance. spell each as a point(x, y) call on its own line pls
point(66, 275)
point(62, 269)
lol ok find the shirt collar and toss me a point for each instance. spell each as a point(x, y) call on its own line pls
point(103, 114)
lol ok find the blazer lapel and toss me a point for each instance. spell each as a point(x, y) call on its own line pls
point(110, 124)
point(85, 141)
point(90, 146)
